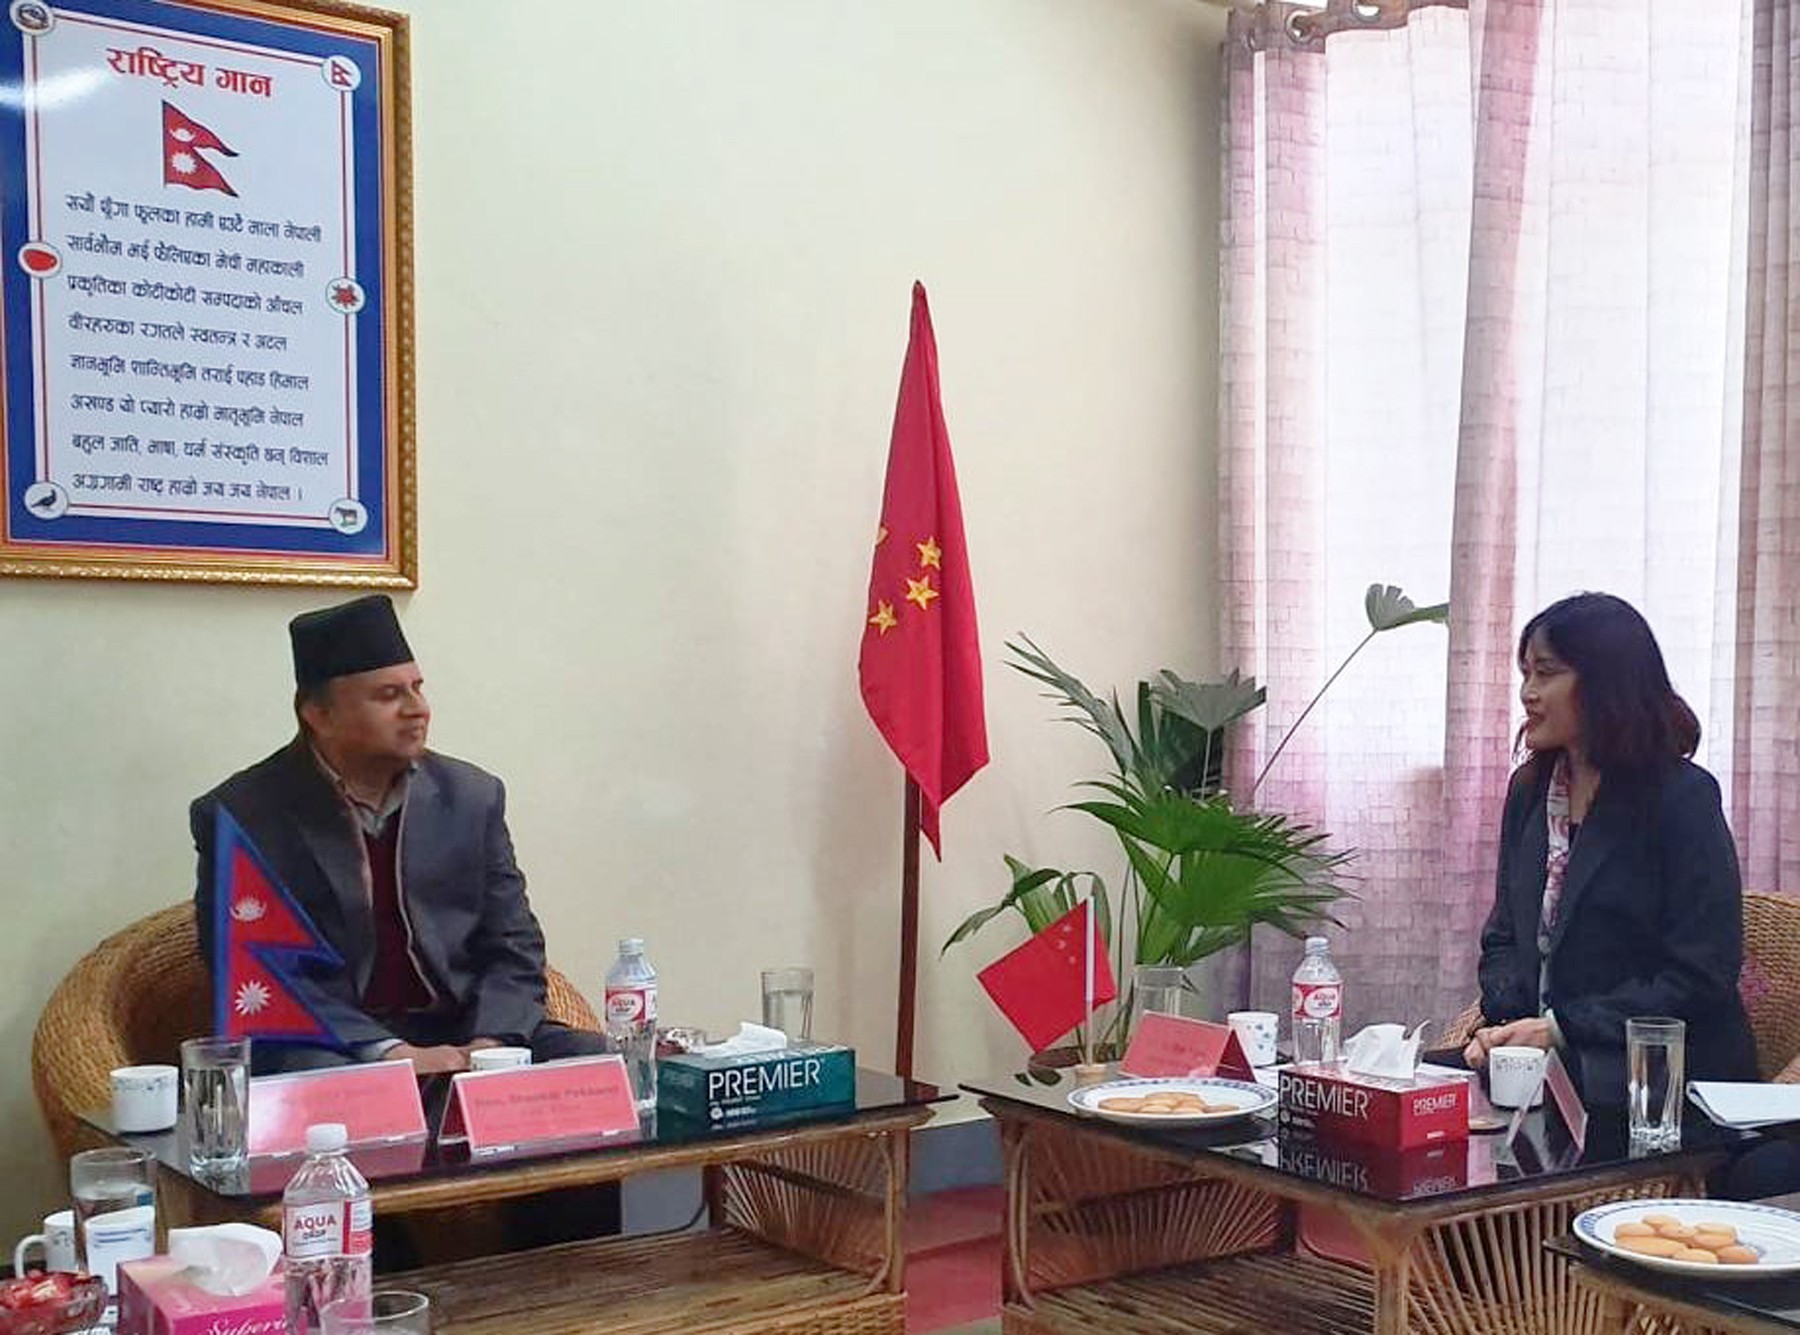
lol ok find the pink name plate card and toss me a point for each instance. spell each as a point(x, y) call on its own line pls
point(378, 1103)
point(561, 1101)
point(1173, 1045)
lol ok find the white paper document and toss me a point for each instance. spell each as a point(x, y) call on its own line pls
point(1744, 1104)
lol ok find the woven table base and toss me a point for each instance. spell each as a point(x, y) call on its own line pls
point(714, 1283)
point(1246, 1295)
point(1271, 1292)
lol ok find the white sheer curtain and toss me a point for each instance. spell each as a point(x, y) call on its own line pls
point(1483, 291)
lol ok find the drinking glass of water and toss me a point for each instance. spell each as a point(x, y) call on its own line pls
point(215, 1079)
point(1655, 1080)
point(115, 1208)
point(1156, 990)
point(384, 1312)
point(787, 996)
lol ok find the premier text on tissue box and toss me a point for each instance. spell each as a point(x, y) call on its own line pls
point(1370, 1110)
point(728, 1090)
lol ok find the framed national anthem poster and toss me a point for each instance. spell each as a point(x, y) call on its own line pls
point(207, 292)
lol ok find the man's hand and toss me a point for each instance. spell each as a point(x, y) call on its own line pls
point(481, 1043)
point(445, 1060)
point(1531, 1032)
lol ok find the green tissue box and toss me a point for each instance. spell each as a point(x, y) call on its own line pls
point(731, 1091)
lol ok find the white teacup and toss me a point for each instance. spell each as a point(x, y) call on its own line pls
point(1516, 1077)
point(1256, 1031)
point(57, 1242)
point(499, 1059)
point(120, 1235)
point(144, 1098)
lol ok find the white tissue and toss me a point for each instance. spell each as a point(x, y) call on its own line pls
point(1384, 1050)
point(227, 1259)
point(750, 1038)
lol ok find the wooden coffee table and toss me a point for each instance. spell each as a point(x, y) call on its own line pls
point(1648, 1303)
point(1113, 1228)
point(806, 1231)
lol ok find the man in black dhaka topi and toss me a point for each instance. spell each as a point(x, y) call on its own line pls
point(399, 855)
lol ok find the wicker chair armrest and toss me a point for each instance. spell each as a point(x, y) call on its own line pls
point(564, 1003)
point(77, 1045)
point(1460, 1030)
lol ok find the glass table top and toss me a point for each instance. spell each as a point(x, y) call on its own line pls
point(1774, 1302)
point(1483, 1163)
point(264, 1178)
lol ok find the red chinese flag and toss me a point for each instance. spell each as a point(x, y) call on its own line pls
point(183, 139)
point(1042, 986)
point(920, 665)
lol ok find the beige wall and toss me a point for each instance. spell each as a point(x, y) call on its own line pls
point(664, 254)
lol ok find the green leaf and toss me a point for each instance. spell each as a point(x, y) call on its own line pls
point(1098, 717)
point(1389, 609)
point(973, 924)
point(1210, 705)
point(1027, 895)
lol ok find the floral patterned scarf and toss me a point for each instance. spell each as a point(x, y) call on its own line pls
point(1556, 860)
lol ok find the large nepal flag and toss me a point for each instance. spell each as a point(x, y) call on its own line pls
point(260, 934)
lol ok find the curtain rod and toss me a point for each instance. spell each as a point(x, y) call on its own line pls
point(1307, 23)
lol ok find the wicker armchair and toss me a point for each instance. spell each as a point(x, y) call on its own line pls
point(1769, 984)
point(132, 999)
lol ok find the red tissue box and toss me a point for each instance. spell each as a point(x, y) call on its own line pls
point(1370, 1110)
point(155, 1298)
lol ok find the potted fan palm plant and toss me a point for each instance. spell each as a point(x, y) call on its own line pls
point(1202, 865)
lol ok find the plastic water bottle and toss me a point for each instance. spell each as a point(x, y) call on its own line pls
point(631, 1017)
point(326, 1230)
point(1318, 1004)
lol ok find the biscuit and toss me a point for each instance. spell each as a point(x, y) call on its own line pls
point(1679, 1232)
point(1121, 1105)
point(1652, 1246)
point(1633, 1231)
point(1660, 1220)
point(1696, 1254)
point(1738, 1254)
point(1725, 1231)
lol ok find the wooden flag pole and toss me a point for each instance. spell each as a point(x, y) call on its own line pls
point(909, 934)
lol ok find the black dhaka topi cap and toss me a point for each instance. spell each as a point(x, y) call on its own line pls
point(357, 636)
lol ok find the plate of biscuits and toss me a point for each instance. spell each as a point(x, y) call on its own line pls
point(1699, 1239)
point(1190, 1101)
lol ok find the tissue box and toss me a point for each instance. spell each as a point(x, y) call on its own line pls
point(730, 1091)
point(1391, 1175)
point(1369, 1110)
point(155, 1298)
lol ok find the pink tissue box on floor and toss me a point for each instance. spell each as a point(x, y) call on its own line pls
point(156, 1299)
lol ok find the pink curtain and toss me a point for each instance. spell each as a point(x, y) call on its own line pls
point(1765, 755)
point(1483, 338)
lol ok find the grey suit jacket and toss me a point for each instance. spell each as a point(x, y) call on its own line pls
point(473, 929)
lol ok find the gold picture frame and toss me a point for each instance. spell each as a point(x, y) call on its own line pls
point(174, 404)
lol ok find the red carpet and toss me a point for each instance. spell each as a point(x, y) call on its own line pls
point(953, 1258)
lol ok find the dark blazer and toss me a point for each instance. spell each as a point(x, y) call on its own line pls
point(473, 930)
point(1651, 923)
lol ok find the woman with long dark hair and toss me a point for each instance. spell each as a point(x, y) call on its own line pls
point(1618, 891)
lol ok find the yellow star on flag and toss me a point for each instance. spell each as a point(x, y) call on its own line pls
point(920, 591)
point(930, 553)
point(884, 618)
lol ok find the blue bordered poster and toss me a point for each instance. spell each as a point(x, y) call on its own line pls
point(206, 291)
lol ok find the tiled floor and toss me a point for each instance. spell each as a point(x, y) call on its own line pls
point(953, 1262)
